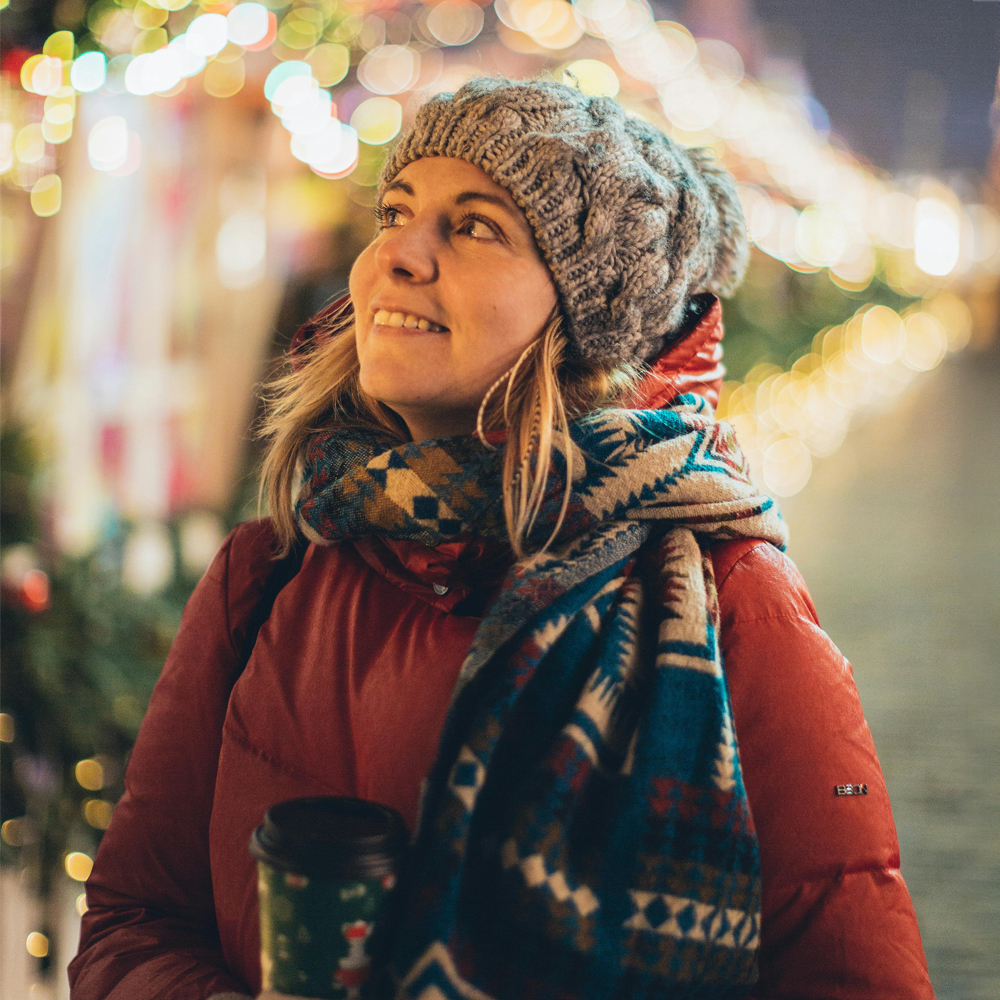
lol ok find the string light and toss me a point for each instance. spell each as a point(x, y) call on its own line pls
point(37, 944)
point(78, 866)
point(89, 774)
point(784, 419)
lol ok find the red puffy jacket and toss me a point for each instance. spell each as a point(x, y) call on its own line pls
point(346, 693)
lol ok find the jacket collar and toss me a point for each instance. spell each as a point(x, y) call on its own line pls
point(692, 364)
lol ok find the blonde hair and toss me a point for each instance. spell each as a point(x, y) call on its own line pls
point(544, 391)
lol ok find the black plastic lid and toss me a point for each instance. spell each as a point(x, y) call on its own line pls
point(331, 837)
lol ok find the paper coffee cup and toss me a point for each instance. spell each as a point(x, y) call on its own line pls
point(326, 868)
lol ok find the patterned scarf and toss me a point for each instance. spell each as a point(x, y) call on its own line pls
point(585, 831)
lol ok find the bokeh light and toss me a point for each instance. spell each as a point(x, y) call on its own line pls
point(331, 150)
point(377, 120)
point(37, 944)
point(935, 237)
point(29, 144)
point(46, 195)
point(60, 45)
point(281, 73)
point(207, 34)
point(78, 866)
point(330, 63)
point(89, 774)
point(241, 249)
point(592, 77)
point(107, 144)
point(13, 832)
point(247, 23)
point(89, 72)
point(389, 69)
point(223, 79)
point(455, 22)
point(148, 561)
point(97, 813)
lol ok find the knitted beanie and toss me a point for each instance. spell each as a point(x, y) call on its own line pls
point(631, 224)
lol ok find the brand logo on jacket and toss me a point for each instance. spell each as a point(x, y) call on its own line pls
point(850, 790)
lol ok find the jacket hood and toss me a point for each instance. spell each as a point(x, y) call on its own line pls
point(691, 364)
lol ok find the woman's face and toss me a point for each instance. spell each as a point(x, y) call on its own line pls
point(454, 250)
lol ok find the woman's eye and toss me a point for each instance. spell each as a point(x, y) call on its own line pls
point(485, 231)
point(386, 215)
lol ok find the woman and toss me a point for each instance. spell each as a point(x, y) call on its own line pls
point(532, 553)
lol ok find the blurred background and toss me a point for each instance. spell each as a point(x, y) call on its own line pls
point(184, 182)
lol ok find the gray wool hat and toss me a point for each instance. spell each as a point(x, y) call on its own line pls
point(631, 224)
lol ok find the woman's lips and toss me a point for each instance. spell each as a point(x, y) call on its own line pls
point(406, 321)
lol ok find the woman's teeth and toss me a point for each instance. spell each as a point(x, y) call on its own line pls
point(385, 318)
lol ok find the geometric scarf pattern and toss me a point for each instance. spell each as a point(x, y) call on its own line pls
point(584, 831)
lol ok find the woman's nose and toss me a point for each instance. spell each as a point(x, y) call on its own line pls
point(409, 252)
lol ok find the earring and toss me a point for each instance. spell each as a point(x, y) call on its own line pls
point(509, 376)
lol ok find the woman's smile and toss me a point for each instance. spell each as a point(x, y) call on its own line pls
point(390, 319)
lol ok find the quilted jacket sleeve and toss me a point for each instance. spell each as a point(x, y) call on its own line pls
point(149, 930)
point(838, 923)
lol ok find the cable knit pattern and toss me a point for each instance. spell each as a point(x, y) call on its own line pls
point(631, 224)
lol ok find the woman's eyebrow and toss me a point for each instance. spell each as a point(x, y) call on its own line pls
point(462, 198)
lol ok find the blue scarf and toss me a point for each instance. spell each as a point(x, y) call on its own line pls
point(585, 831)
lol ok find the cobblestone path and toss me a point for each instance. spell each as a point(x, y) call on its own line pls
point(898, 537)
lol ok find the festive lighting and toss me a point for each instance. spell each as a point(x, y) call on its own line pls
point(593, 77)
point(89, 774)
point(13, 832)
point(329, 63)
point(455, 22)
point(201, 536)
point(97, 813)
point(389, 69)
point(141, 78)
point(37, 944)
point(241, 249)
point(7, 146)
point(821, 238)
point(785, 419)
point(146, 16)
point(42, 74)
point(307, 116)
point(301, 28)
point(78, 866)
point(925, 342)
point(6, 728)
point(935, 237)
point(377, 120)
point(60, 45)
point(29, 145)
point(207, 34)
point(89, 72)
point(46, 200)
point(35, 590)
point(107, 144)
point(281, 73)
point(331, 150)
point(296, 90)
point(223, 79)
point(188, 63)
point(81, 904)
point(247, 23)
point(148, 563)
